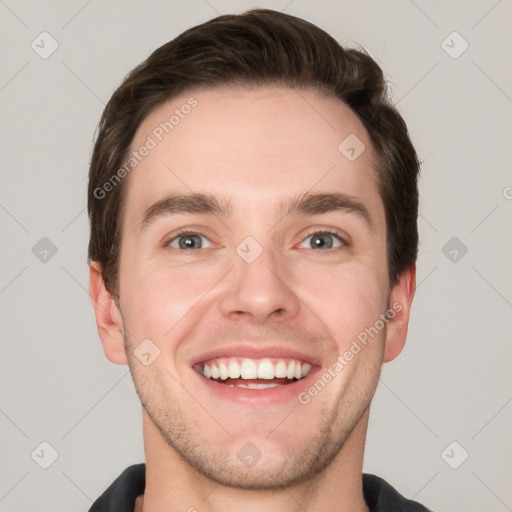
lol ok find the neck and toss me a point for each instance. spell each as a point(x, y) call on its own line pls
point(173, 485)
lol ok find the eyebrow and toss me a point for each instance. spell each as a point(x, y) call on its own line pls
point(308, 204)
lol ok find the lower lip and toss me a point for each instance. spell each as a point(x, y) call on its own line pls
point(269, 396)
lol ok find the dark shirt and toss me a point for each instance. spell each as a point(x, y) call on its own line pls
point(120, 496)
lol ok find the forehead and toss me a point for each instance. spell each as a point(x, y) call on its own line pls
point(252, 144)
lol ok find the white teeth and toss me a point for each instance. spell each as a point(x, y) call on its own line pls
point(306, 367)
point(281, 370)
point(255, 386)
point(248, 370)
point(234, 370)
point(266, 370)
point(223, 370)
point(291, 370)
point(251, 369)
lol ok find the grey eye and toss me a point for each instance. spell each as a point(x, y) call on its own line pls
point(188, 241)
point(323, 241)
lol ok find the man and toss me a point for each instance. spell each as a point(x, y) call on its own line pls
point(253, 203)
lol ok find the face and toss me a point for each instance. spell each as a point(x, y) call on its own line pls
point(279, 258)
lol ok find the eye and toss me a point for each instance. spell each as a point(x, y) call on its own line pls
point(188, 240)
point(324, 240)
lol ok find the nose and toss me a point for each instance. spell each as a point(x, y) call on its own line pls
point(261, 290)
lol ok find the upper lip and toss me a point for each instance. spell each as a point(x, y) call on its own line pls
point(256, 351)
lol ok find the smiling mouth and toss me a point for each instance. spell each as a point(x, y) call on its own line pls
point(253, 373)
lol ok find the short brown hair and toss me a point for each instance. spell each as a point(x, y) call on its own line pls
point(258, 47)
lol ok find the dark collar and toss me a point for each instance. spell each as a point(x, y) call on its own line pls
point(121, 495)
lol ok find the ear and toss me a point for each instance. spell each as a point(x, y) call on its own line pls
point(400, 301)
point(108, 317)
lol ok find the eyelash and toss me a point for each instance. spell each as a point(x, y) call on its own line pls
point(311, 233)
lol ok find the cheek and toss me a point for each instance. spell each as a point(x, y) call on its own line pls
point(159, 298)
point(347, 300)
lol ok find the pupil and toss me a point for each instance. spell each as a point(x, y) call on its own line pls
point(189, 242)
point(319, 241)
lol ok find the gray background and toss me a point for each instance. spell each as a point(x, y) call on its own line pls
point(453, 380)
